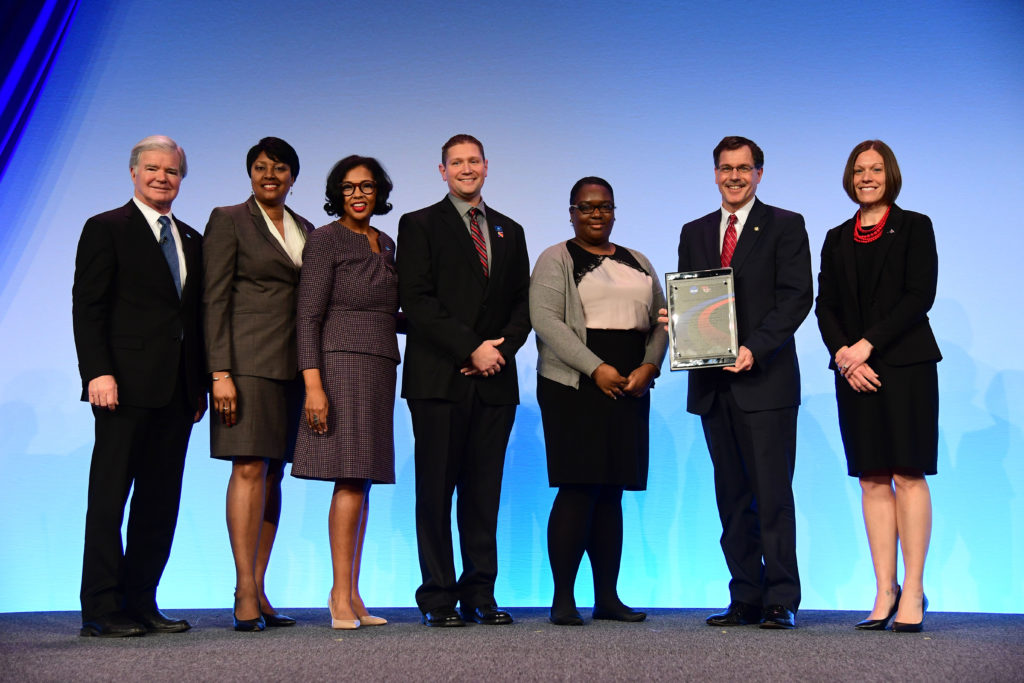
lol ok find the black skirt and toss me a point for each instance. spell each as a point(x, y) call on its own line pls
point(593, 439)
point(895, 428)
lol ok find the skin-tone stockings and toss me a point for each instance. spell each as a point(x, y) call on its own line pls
point(350, 506)
point(253, 511)
point(897, 511)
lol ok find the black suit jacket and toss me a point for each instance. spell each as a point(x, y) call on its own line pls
point(127, 317)
point(452, 308)
point(774, 293)
point(902, 286)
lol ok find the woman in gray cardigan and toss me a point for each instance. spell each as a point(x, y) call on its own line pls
point(594, 307)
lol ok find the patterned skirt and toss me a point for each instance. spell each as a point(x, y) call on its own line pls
point(359, 443)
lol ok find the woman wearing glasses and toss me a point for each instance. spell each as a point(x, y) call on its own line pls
point(877, 282)
point(252, 253)
point(594, 307)
point(348, 353)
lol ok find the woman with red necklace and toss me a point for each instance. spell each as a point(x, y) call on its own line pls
point(877, 283)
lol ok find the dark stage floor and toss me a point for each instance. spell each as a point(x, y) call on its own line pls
point(673, 644)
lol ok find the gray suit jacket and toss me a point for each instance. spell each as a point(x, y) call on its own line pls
point(250, 295)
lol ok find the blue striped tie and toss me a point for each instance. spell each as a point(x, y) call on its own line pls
point(170, 251)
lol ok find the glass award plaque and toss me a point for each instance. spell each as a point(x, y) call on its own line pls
point(701, 319)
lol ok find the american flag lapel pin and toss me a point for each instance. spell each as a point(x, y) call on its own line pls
point(497, 229)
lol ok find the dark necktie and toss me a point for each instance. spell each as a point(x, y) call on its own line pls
point(170, 251)
point(478, 238)
point(729, 243)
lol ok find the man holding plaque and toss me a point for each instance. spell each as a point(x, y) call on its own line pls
point(748, 410)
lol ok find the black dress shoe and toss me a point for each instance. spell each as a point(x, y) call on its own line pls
point(277, 619)
point(155, 621)
point(880, 624)
point(443, 616)
point(901, 627)
point(565, 618)
point(777, 616)
point(620, 613)
point(248, 625)
point(737, 614)
point(114, 625)
point(488, 615)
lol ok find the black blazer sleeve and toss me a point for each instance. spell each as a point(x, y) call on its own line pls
point(92, 298)
point(516, 287)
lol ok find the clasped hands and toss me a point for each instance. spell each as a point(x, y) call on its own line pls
point(851, 363)
point(614, 385)
point(486, 359)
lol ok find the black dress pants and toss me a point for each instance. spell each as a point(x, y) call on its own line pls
point(460, 446)
point(754, 454)
point(144, 448)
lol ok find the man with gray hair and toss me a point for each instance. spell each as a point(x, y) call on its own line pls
point(136, 316)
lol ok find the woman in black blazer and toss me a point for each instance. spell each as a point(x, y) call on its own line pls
point(877, 283)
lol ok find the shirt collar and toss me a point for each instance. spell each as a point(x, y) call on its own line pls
point(463, 206)
point(741, 213)
point(149, 213)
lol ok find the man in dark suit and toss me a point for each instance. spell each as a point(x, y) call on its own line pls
point(464, 278)
point(748, 411)
point(135, 309)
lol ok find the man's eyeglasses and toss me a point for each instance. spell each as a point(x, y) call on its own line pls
point(744, 169)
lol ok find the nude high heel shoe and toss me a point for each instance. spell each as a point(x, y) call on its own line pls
point(341, 624)
point(370, 620)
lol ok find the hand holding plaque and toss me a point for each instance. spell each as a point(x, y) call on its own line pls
point(701, 319)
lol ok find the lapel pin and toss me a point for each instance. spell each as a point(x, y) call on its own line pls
point(756, 228)
point(497, 229)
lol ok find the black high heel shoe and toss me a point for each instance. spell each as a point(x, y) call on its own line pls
point(881, 624)
point(257, 624)
point(278, 619)
point(900, 627)
point(250, 625)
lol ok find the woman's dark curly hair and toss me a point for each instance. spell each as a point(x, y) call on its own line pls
point(334, 206)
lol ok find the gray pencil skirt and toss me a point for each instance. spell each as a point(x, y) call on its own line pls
point(268, 420)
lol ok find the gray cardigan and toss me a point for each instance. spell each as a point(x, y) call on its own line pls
point(556, 314)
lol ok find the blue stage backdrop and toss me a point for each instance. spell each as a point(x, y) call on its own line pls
point(638, 93)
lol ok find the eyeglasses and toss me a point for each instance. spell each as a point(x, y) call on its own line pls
point(587, 209)
point(366, 187)
point(744, 169)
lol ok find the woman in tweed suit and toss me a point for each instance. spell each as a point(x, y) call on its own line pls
point(252, 254)
point(348, 354)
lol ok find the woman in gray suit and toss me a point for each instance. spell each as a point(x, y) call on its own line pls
point(252, 253)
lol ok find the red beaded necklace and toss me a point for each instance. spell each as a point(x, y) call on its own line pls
point(871, 234)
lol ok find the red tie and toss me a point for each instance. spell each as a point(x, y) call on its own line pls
point(478, 238)
point(729, 244)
